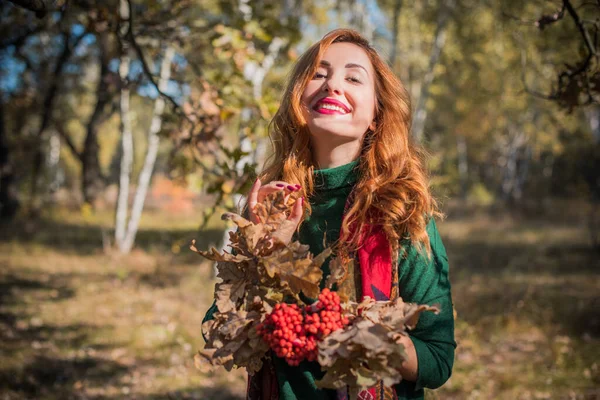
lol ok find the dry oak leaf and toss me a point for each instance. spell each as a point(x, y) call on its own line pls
point(299, 274)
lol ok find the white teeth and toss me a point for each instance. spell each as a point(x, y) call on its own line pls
point(332, 107)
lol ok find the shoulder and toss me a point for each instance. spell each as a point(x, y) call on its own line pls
point(408, 250)
point(422, 278)
point(435, 240)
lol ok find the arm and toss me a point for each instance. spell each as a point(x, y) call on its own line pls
point(426, 281)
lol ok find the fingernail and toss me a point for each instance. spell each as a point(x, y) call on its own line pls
point(280, 185)
point(302, 200)
point(290, 187)
point(298, 186)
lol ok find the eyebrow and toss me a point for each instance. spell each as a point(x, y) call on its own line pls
point(349, 65)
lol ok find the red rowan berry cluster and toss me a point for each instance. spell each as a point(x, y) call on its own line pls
point(294, 334)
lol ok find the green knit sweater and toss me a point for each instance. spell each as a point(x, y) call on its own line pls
point(422, 281)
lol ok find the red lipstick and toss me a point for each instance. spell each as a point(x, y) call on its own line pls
point(329, 100)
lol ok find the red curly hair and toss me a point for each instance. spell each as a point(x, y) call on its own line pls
point(393, 186)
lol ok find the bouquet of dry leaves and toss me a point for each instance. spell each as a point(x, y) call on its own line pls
point(260, 308)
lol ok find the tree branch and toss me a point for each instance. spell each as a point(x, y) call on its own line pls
point(140, 54)
point(524, 80)
point(580, 27)
point(546, 20)
point(67, 139)
point(39, 7)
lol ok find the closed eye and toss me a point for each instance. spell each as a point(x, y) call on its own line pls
point(354, 79)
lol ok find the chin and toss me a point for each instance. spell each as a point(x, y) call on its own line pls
point(334, 132)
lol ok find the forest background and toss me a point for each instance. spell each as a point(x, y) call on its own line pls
point(127, 127)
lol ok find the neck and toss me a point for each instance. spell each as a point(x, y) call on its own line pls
point(332, 156)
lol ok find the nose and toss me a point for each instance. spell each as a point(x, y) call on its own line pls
point(333, 85)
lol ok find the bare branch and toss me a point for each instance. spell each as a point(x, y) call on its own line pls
point(546, 20)
point(579, 24)
point(67, 139)
point(140, 54)
point(39, 7)
point(524, 80)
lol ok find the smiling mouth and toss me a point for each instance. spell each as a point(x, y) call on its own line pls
point(328, 108)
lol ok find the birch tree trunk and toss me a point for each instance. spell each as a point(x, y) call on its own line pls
point(52, 162)
point(126, 156)
point(434, 57)
point(126, 134)
point(153, 141)
point(509, 182)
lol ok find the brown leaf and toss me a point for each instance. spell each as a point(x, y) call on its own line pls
point(369, 349)
point(230, 271)
point(301, 275)
point(346, 287)
point(413, 313)
point(338, 271)
point(213, 254)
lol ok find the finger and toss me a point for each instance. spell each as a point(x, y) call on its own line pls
point(276, 186)
point(253, 200)
point(297, 211)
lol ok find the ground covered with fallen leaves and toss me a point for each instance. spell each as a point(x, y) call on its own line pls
point(79, 321)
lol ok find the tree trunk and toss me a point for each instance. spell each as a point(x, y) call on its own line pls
point(463, 164)
point(153, 142)
point(92, 182)
point(48, 107)
point(395, 33)
point(9, 202)
point(522, 173)
point(509, 182)
point(127, 152)
point(52, 164)
point(434, 57)
point(593, 115)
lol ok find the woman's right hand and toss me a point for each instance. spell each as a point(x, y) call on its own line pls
point(259, 192)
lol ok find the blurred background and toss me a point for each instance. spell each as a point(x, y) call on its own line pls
point(127, 127)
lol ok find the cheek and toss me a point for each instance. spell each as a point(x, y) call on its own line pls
point(311, 89)
point(368, 102)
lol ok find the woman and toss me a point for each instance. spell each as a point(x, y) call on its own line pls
point(342, 139)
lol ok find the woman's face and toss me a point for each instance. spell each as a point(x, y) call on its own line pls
point(339, 101)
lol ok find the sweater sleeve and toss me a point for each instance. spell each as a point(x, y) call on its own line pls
point(209, 316)
point(426, 281)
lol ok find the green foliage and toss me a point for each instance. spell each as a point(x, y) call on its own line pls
point(494, 54)
point(480, 195)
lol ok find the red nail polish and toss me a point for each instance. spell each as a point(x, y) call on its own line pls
point(279, 185)
point(290, 187)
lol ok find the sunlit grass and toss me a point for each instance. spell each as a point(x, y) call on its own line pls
point(79, 320)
